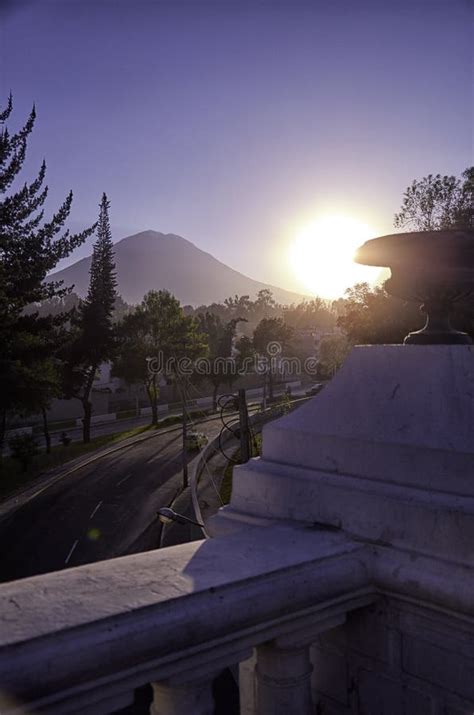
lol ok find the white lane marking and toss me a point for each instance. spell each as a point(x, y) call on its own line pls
point(96, 509)
point(154, 458)
point(72, 549)
point(123, 480)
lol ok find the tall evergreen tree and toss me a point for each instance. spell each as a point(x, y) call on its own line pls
point(29, 249)
point(93, 335)
point(98, 307)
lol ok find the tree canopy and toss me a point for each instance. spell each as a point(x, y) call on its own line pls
point(152, 340)
point(220, 338)
point(30, 248)
point(372, 316)
point(271, 338)
point(438, 202)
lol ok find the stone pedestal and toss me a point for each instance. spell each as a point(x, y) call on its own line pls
point(384, 455)
point(385, 452)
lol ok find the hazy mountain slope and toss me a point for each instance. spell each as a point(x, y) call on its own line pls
point(154, 260)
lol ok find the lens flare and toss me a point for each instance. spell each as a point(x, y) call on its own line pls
point(93, 534)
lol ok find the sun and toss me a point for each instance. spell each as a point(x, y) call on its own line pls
point(322, 255)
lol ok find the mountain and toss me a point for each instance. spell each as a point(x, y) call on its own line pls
point(153, 260)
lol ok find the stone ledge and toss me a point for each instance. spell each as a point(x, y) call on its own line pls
point(75, 639)
point(418, 395)
point(111, 626)
point(434, 523)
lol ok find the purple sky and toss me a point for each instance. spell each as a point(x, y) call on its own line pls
point(231, 123)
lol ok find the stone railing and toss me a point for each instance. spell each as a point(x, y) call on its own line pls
point(81, 640)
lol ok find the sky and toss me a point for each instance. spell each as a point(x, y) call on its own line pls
point(236, 123)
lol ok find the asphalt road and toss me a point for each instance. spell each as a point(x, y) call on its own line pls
point(103, 510)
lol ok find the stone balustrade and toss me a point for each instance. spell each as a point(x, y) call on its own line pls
point(81, 640)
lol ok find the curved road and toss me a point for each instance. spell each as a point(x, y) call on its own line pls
point(103, 510)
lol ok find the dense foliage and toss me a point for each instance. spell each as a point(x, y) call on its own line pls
point(30, 248)
point(220, 339)
point(438, 202)
point(152, 341)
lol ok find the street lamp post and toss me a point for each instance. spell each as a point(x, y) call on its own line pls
point(185, 435)
point(167, 515)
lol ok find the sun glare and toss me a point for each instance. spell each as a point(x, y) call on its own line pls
point(322, 255)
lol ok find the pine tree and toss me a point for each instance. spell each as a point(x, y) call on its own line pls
point(29, 249)
point(98, 307)
point(93, 334)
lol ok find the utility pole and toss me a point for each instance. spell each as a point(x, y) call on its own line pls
point(184, 421)
point(184, 450)
point(244, 428)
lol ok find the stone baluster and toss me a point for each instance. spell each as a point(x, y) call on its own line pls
point(175, 698)
point(283, 680)
point(283, 671)
point(187, 687)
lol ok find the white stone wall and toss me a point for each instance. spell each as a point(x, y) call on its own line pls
point(395, 658)
point(384, 455)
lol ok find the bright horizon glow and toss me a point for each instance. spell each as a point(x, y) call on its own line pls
point(322, 255)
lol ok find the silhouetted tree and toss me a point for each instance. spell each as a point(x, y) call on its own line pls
point(245, 355)
point(152, 341)
point(332, 351)
point(265, 306)
point(373, 316)
point(437, 202)
point(314, 314)
point(270, 338)
point(92, 335)
point(29, 249)
point(220, 337)
point(133, 348)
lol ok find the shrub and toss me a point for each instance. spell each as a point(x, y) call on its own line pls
point(23, 447)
